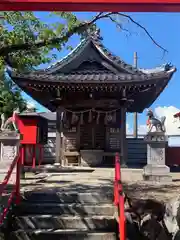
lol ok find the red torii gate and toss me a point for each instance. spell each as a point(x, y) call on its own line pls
point(96, 6)
point(91, 5)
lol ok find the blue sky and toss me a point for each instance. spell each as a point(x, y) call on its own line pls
point(163, 27)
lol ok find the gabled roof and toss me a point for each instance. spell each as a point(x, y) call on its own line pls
point(93, 67)
point(91, 49)
point(92, 60)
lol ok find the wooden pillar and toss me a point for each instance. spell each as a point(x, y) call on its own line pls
point(59, 136)
point(123, 138)
point(135, 127)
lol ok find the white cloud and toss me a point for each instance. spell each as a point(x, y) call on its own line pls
point(171, 123)
point(142, 129)
point(128, 129)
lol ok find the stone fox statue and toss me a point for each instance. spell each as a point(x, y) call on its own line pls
point(154, 122)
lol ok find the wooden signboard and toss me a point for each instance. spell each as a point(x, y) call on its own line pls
point(91, 5)
point(70, 139)
point(113, 138)
point(86, 137)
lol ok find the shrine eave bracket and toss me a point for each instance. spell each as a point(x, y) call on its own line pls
point(91, 5)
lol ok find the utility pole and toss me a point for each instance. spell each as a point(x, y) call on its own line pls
point(135, 121)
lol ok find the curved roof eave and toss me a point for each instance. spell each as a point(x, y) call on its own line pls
point(93, 78)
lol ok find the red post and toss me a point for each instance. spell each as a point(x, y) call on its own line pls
point(40, 154)
point(18, 172)
point(22, 154)
point(116, 182)
point(119, 198)
point(33, 156)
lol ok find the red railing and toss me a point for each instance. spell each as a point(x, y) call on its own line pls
point(15, 194)
point(29, 154)
point(119, 198)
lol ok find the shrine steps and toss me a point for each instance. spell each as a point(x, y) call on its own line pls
point(64, 235)
point(59, 214)
point(65, 209)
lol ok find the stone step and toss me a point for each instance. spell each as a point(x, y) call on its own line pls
point(49, 168)
point(69, 197)
point(97, 223)
point(26, 208)
point(62, 234)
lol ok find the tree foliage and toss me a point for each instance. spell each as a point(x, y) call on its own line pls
point(24, 29)
point(26, 41)
point(10, 99)
point(17, 28)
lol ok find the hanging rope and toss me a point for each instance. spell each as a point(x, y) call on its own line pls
point(109, 115)
point(92, 110)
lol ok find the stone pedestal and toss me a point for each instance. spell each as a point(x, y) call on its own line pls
point(156, 169)
point(9, 141)
point(91, 158)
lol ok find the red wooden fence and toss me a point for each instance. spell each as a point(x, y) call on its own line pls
point(173, 156)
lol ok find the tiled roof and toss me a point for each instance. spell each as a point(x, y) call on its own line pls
point(122, 71)
point(92, 78)
point(92, 65)
point(50, 116)
point(101, 48)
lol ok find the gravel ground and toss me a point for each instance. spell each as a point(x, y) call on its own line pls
point(144, 190)
point(135, 187)
point(133, 183)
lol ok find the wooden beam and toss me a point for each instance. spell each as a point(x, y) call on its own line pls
point(103, 103)
point(59, 136)
point(123, 138)
point(91, 5)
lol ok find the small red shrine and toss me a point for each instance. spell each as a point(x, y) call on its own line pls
point(33, 129)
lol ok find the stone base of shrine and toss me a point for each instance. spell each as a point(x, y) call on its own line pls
point(158, 173)
point(91, 158)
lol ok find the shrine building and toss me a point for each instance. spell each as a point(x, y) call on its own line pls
point(91, 91)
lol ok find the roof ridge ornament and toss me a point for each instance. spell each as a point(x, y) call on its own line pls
point(94, 33)
point(168, 66)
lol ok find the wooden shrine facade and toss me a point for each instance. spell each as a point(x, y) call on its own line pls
point(91, 90)
point(92, 129)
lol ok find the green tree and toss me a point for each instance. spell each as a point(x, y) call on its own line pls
point(26, 42)
point(10, 99)
point(18, 28)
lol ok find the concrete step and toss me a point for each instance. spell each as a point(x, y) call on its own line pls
point(97, 223)
point(57, 196)
point(26, 208)
point(62, 234)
